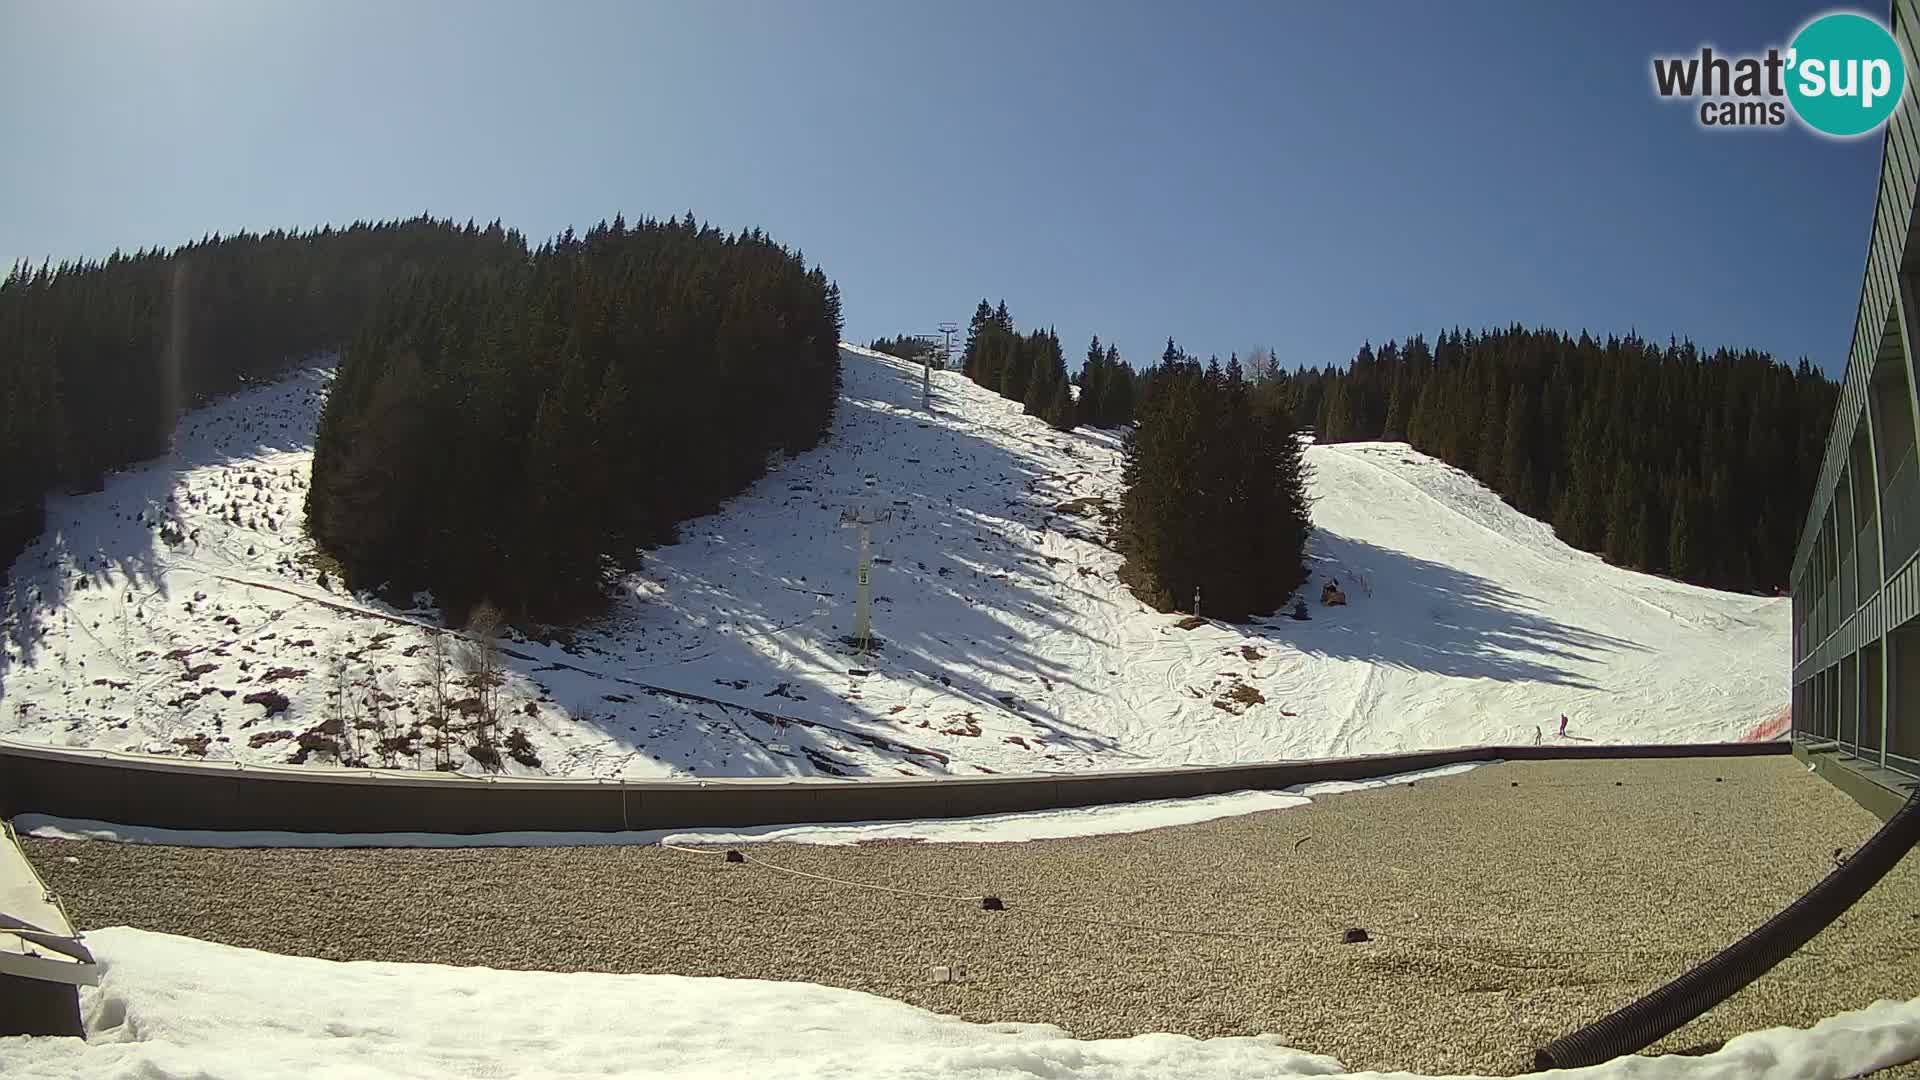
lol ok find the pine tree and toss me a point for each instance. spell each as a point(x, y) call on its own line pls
point(1623, 512)
point(1680, 541)
point(1060, 410)
point(1117, 397)
point(486, 438)
point(1516, 466)
point(1018, 373)
point(1215, 497)
point(1046, 371)
point(1399, 408)
point(1092, 382)
point(982, 318)
point(1639, 541)
point(1336, 416)
point(1490, 454)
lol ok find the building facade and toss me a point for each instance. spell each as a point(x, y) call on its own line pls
point(1856, 582)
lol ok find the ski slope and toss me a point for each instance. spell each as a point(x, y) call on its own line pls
point(154, 608)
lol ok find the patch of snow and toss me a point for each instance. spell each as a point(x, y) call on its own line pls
point(172, 1008)
point(986, 829)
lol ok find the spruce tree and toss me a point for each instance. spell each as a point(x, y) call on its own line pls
point(1117, 396)
point(1060, 410)
point(982, 318)
point(1623, 513)
point(1516, 466)
point(1490, 455)
point(1215, 497)
point(1017, 376)
point(1399, 408)
point(501, 436)
point(1680, 539)
point(1336, 416)
point(1092, 382)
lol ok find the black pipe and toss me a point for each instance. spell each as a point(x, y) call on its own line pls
point(1632, 1028)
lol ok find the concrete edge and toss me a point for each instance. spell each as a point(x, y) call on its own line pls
point(128, 790)
point(1872, 787)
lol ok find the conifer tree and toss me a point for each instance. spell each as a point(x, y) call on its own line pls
point(1680, 539)
point(1092, 382)
point(1215, 498)
point(1516, 466)
point(1017, 376)
point(1117, 396)
point(522, 434)
point(982, 318)
point(1060, 410)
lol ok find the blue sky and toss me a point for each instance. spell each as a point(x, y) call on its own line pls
point(1305, 176)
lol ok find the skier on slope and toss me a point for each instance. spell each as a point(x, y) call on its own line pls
point(1563, 725)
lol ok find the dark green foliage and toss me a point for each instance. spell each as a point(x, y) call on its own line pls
point(516, 435)
point(1120, 385)
point(1516, 463)
point(1048, 375)
point(908, 347)
point(982, 318)
point(98, 358)
point(1060, 407)
point(1017, 369)
point(1031, 369)
point(1215, 497)
point(1106, 387)
point(1667, 459)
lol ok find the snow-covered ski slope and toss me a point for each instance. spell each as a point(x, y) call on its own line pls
point(154, 608)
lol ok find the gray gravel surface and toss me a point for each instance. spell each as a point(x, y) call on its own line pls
point(1506, 905)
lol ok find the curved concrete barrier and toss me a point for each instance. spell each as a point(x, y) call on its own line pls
point(133, 789)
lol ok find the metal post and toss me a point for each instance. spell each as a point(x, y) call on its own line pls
point(863, 613)
point(863, 617)
point(1908, 309)
point(1879, 552)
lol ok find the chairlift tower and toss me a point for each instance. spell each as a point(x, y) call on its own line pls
point(927, 344)
point(863, 614)
point(947, 330)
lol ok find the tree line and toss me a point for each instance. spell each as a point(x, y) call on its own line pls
point(907, 347)
point(98, 357)
point(1215, 515)
point(516, 434)
point(1668, 458)
point(1215, 510)
point(1031, 369)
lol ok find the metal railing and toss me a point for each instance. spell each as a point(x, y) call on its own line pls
point(1900, 510)
point(1866, 549)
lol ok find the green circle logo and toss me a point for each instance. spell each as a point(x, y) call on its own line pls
point(1846, 74)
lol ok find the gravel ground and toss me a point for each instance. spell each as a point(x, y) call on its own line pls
point(1507, 906)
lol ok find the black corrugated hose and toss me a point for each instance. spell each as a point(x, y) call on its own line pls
point(1658, 1014)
